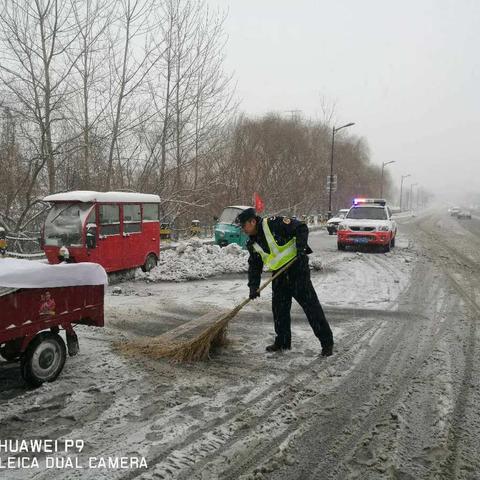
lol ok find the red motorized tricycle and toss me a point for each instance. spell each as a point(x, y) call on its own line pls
point(37, 301)
point(118, 230)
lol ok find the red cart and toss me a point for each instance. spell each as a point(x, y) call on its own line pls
point(38, 300)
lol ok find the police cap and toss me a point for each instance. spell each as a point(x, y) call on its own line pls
point(246, 215)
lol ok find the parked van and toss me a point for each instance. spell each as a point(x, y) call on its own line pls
point(118, 230)
point(226, 230)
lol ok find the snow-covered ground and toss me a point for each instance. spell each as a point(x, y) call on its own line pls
point(341, 278)
point(150, 306)
point(382, 407)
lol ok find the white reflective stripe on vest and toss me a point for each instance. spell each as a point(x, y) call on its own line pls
point(260, 251)
point(279, 255)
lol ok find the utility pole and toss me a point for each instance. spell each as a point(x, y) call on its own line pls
point(401, 188)
point(330, 181)
point(381, 181)
point(411, 195)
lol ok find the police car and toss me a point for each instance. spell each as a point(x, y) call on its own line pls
point(368, 222)
point(333, 223)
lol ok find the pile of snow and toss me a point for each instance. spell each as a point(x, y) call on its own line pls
point(315, 262)
point(193, 260)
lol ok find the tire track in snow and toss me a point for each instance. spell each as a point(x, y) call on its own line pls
point(214, 436)
point(452, 464)
point(392, 356)
point(399, 365)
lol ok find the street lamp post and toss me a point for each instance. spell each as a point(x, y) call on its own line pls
point(401, 188)
point(381, 181)
point(411, 195)
point(330, 183)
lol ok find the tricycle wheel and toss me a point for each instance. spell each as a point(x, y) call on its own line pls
point(150, 262)
point(44, 359)
point(11, 350)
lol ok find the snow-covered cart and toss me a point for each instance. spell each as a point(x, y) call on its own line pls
point(37, 301)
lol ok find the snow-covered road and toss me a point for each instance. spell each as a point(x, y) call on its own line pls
point(397, 400)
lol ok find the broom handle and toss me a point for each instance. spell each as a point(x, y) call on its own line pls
point(270, 280)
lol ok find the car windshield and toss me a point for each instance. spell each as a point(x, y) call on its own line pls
point(229, 215)
point(64, 222)
point(367, 213)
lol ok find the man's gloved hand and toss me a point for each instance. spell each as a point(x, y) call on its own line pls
point(302, 258)
point(254, 293)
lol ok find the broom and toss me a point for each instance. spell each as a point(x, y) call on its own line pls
point(197, 348)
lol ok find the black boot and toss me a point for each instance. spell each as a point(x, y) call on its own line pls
point(327, 351)
point(275, 348)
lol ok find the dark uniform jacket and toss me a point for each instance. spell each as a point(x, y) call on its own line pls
point(283, 230)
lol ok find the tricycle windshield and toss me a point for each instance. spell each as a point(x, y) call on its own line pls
point(229, 215)
point(64, 224)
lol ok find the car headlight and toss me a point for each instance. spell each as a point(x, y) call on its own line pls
point(342, 227)
point(383, 228)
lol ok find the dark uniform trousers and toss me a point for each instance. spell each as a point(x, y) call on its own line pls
point(295, 283)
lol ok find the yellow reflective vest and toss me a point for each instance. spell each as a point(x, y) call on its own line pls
point(279, 255)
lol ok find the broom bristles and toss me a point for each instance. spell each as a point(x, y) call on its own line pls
point(195, 349)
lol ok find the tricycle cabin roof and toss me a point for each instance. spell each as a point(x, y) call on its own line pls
point(87, 196)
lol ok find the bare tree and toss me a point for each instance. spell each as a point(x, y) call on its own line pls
point(33, 66)
point(287, 161)
point(89, 55)
point(133, 53)
point(112, 94)
point(193, 101)
point(10, 163)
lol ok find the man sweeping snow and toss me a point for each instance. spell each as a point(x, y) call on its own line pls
point(274, 242)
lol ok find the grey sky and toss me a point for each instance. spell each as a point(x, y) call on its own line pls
point(408, 74)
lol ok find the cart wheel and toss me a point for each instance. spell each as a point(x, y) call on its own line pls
point(150, 262)
point(11, 350)
point(44, 359)
point(8, 356)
